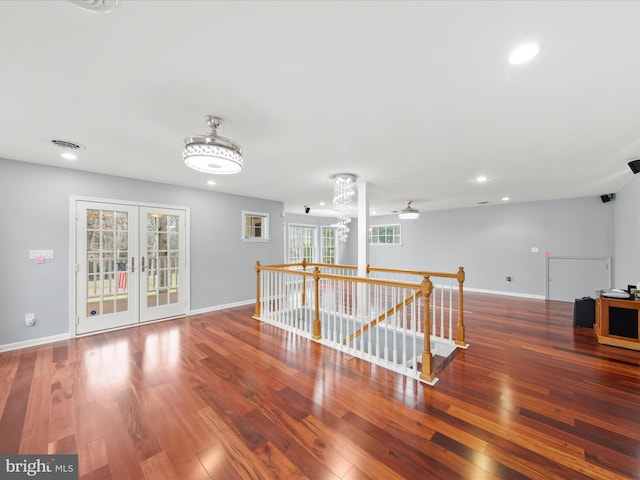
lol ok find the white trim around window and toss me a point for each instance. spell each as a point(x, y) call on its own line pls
point(329, 244)
point(302, 243)
point(386, 235)
point(254, 226)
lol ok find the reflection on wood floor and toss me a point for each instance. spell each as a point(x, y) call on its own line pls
point(221, 396)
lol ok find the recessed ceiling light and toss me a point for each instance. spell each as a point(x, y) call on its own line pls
point(481, 179)
point(322, 204)
point(211, 182)
point(523, 53)
point(69, 156)
point(505, 199)
point(373, 212)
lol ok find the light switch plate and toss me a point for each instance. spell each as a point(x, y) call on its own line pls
point(46, 254)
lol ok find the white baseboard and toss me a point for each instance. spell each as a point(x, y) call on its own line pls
point(66, 336)
point(500, 292)
point(33, 343)
point(222, 307)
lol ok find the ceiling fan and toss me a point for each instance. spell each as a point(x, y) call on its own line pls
point(407, 213)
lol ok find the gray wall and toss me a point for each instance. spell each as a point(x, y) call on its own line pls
point(35, 215)
point(492, 242)
point(627, 234)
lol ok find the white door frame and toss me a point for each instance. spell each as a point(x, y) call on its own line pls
point(73, 200)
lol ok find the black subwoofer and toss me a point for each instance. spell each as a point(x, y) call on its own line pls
point(584, 312)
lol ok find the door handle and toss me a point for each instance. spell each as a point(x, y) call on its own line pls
point(142, 264)
point(133, 264)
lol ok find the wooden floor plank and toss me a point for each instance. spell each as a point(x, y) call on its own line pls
point(220, 396)
point(12, 422)
point(35, 435)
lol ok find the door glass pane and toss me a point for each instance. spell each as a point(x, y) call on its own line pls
point(163, 243)
point(106, 262)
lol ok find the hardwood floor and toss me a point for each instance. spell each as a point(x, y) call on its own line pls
point(221, 396)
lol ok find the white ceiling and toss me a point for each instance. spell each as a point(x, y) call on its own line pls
point(415, 98)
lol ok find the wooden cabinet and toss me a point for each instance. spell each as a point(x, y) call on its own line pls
point(617, 322)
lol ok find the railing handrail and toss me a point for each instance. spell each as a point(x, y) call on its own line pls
point(420, 273)
point(310, 273)
point(333, 265)
point(278, 268)
point(414, 272)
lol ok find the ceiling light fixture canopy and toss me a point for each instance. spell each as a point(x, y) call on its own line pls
point(212, 153)
point(408, 213)
point(343, 193)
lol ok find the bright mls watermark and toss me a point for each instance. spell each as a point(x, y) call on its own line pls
point(52, 467)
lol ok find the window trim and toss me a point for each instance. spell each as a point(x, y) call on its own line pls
point(336, 244)
point(315, 240)
point(265, 226)
point(393, 244)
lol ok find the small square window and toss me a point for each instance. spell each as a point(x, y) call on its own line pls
point(255, 226)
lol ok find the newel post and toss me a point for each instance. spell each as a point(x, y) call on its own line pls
point(304, 283)
point(460, 341)
point(427, 358)
point(317, 331)
point(257, 311)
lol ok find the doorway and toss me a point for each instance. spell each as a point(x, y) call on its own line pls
point(130, 264)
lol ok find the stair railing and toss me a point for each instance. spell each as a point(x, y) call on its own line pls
point(447, 299)
point(385, 321)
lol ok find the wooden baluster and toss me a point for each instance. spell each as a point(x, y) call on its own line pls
point(257, 311)
point(317, 332)
point(460, 341)
point(427, 358)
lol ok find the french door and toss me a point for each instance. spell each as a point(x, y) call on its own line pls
point(130, 264)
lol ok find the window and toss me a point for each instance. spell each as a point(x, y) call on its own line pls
point(329, 247)
point(302, 243)
point(255, 226)
point(384, 235)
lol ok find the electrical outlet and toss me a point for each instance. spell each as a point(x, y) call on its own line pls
point(509, 279)
point(29, 319)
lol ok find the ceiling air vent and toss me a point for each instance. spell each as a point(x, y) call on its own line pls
point(96, 6)
point(67, 145)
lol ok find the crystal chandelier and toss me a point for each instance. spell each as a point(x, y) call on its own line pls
point(212, 153)
point(343, 193)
